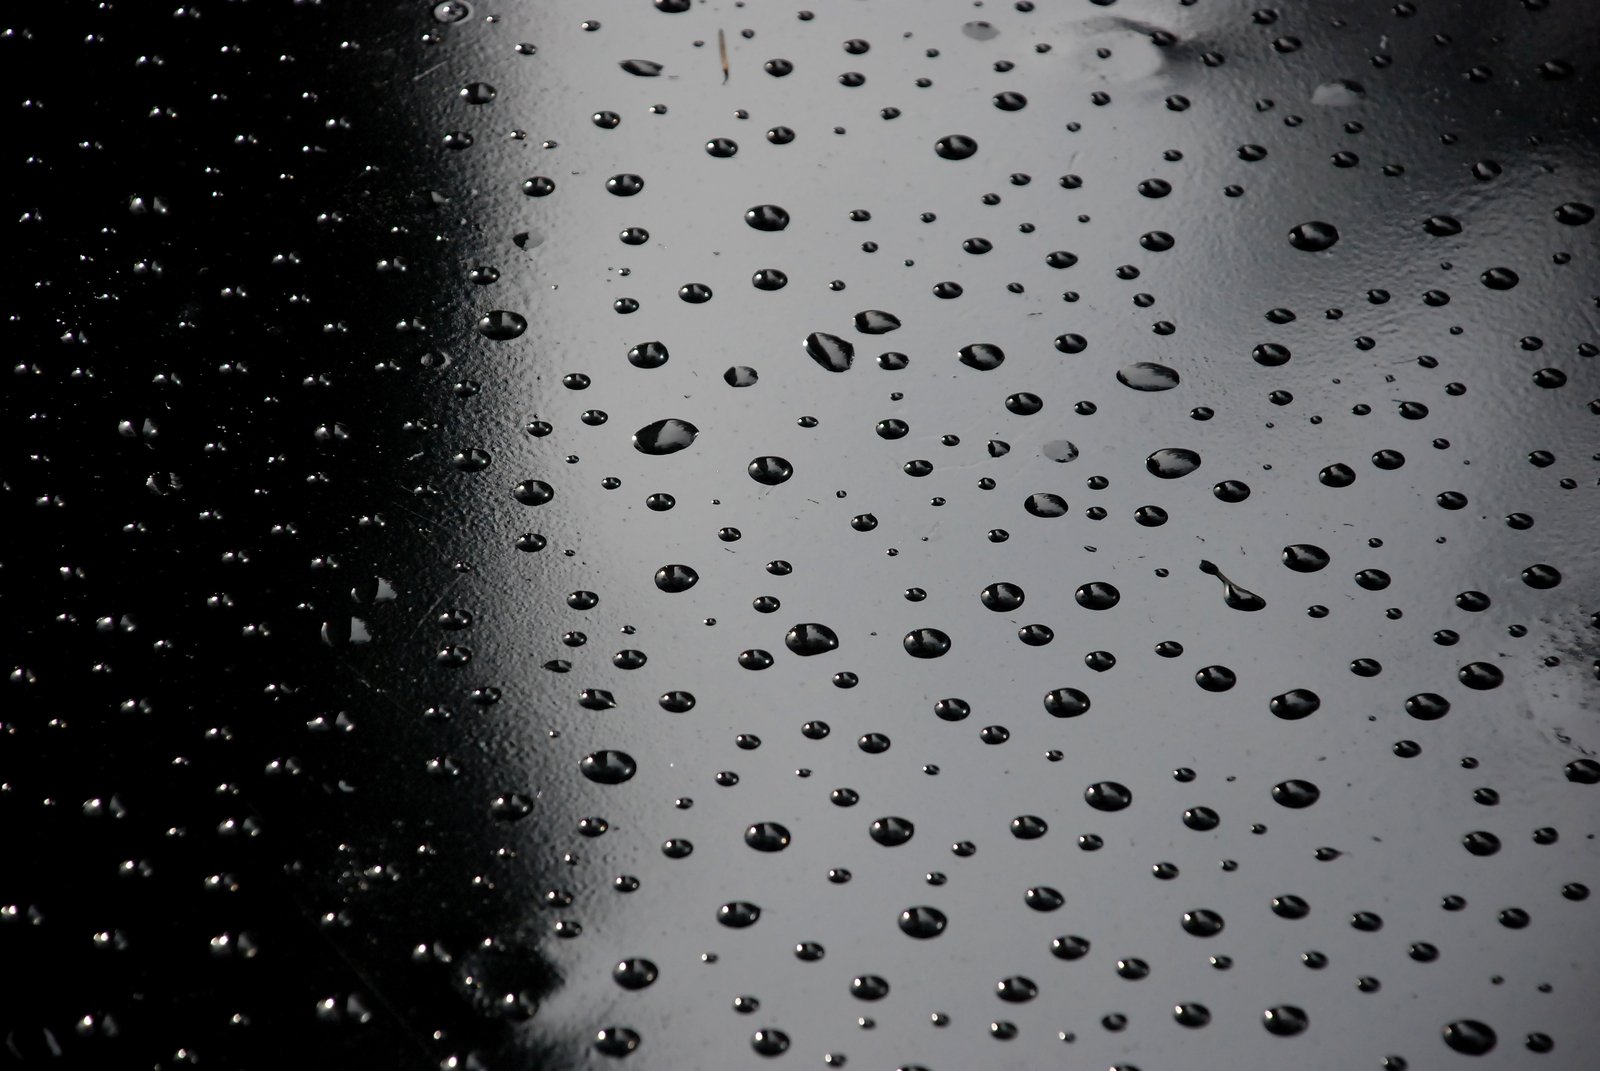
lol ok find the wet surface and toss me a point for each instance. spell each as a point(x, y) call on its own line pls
point(685, 535)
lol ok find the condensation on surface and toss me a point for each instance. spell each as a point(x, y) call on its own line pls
point(687, 535)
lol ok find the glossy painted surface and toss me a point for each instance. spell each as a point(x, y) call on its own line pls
point(1218, 530)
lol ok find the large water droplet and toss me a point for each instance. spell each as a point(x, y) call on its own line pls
point(876, 322)
point(1313, 236)
point(1171, 462)
point(1470, 1037)
point(501, 325)
point(926, 643)
point(608, 767)
point(891, 831)
point(533, 492)
point(955, 147)
point(1148, 376)
point(770, 470)
point(830, 351)
point(665, 436)
point(922, 922)
point(767, 837)
point(811, 638)
point(983, 356)
point(1107, 796)
point(767, 217)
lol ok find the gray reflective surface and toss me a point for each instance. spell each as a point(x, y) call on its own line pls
point(1395, 424)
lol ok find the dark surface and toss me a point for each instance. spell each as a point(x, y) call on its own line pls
point(270, 551)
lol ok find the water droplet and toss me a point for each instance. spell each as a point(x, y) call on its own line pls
point(830, 351)
point(1016, 989)
point(1097, 595)
point(1295, 704)
point(533, 492)
point(1107, 796)
point(767, 837)
point(1066, 703)
point(875, 322)
point(1295, 793)
point(922, 922)
point(1285, 1020)
point(811, 638)
point(666, 436)
point(502, 326)
point(1305, 558)
point(982, 355)
point(634, 973)
point(1043, 898)
point(616, 1040)
point(767, 217)
point(1313, 236)
point(1202, 923)
point(1574, 213)
point(891, 831)
point(738, 914)
point(1148, 376)
point(1045, 504)
point(676, 578)
point(770, 1042)
point(1233, 596)
point(624, 185)
point(608, 767)
point(955, 147)
point(1002, 597)
point(1470, 1037)
point(926, 643)
point(1172, 462)
point(770, 470)
point(641, 67)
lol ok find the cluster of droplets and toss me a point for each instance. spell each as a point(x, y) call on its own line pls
point(1060, 356)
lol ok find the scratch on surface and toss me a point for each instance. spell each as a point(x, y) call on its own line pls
point(427, 72)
